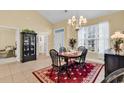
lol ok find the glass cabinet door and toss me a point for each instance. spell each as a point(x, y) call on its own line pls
point(26, 45)
point(32, 44)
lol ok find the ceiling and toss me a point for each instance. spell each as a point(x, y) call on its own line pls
point(55, 16)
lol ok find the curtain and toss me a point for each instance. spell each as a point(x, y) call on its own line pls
point(58, 39)
point(81, 34)
point(103, 37)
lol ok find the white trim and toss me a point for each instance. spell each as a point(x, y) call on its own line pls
point(58, 29)
point(45, 34)
point(8, 27)
point(17, 39)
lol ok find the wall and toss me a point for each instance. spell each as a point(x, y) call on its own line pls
point(69, 32)
point(116, 21)
point(26, 19)
point(7, 38)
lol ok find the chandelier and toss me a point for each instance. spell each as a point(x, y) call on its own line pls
point(77, 23)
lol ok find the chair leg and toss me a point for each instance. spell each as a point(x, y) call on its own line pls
point(82, 65)
point(67, 72)
point(58, 77)
point(51, 72)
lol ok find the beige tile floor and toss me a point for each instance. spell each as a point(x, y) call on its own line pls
point(17, 72)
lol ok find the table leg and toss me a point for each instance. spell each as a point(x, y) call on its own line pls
point(67, 71)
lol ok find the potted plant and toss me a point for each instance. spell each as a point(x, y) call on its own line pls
point(72, 43)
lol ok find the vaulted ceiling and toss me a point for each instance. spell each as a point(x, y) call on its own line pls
point(55, 16)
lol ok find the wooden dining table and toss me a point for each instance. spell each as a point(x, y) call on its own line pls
point(69, 57)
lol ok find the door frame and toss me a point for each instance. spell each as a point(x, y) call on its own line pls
point(17, 37)
point(44, 34)
point(54, 34)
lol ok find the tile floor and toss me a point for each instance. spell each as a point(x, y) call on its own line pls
point(17, 72)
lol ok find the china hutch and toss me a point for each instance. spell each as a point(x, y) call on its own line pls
point(28, 46)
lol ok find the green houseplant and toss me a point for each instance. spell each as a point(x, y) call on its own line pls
point(72, 43)
point(28, 31)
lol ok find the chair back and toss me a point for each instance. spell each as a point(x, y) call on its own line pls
point(83, 55)
point(62, 49)
point(54, 56)
point(81, 48)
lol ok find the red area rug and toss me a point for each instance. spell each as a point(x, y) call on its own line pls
point(88, 74)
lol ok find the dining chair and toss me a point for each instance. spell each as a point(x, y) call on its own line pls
point(81, 60)
point(115, 77)
point(62, 49)
point(81, 48)
point(56, 64)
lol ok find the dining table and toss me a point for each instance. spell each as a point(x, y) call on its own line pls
point(69, 57)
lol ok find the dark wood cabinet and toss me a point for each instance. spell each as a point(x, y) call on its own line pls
point(28, 42)
point(113, 62)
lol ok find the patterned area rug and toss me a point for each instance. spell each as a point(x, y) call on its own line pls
point(87, 74)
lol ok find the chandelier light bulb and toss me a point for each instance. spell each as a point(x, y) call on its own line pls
point(77, 27)
point(81, 17)
point(69, 21)
point(84, 20)
point(81, 20)
point(80, 23)
point(73, 18)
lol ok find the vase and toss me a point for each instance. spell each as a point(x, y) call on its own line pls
point(117, 49)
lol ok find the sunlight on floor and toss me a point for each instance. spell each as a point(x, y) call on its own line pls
point(7, 60)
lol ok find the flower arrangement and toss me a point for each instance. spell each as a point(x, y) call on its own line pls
point(72, 43)
point(118, 39)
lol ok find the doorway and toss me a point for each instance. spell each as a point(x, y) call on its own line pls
point(58, 38)
point(42, 44)
point(9, 44)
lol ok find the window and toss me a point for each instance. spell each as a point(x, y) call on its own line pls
point(58, 38)
point(95, 37)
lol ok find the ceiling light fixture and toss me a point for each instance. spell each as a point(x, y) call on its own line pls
point(77, 23)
